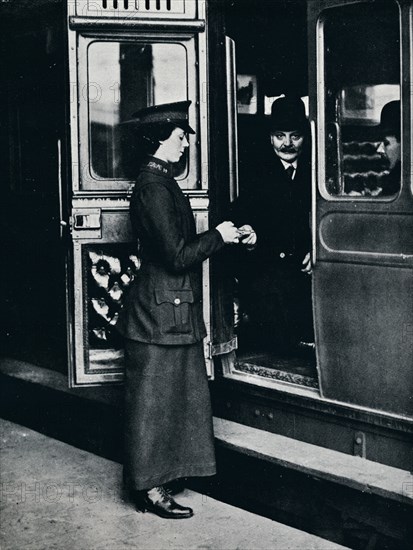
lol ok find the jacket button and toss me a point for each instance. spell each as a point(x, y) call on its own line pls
point(177, 301)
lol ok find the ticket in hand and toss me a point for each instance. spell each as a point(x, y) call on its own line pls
point(243, 231)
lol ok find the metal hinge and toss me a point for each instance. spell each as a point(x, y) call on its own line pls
point(222, 348)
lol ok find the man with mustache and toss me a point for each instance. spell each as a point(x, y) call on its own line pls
point(273, 276)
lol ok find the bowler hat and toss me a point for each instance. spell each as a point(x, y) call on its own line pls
point(288, 113)
point(173, 113)
point(390, 119)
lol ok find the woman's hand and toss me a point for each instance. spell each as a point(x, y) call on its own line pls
point(229, 232)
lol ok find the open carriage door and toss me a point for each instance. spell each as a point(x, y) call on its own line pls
point(124, 56)
point(363, 219)
point(223, 176)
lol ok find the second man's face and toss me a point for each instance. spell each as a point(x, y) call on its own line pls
point(390, 148)
point(287, 145)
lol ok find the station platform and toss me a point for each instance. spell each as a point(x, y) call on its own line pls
point(345, 499)
point(54, 495)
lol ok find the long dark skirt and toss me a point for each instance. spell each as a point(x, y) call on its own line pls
point(168, 419)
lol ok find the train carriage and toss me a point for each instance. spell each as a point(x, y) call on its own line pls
point(75, 73)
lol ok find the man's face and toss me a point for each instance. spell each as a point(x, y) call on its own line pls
point(390, 149)
point(287, 145)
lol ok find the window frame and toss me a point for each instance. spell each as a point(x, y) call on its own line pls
point(88, 182)
point(321, 48)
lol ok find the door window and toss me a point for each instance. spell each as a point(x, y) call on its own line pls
point(115, 79)
point(124, 78)
point(361, 51)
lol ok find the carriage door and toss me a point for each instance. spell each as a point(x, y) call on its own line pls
point(123, 56)
point(363, 216)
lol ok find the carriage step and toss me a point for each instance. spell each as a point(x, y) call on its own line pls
point(352, 471)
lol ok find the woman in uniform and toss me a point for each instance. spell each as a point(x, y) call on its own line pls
point(168, 431)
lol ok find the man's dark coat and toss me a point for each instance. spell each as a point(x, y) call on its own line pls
point(278, 209)
point(275, 293)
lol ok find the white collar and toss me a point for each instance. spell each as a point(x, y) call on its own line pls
point(288, 164)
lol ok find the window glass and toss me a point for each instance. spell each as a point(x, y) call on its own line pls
point(122, 79)
point(362, 75)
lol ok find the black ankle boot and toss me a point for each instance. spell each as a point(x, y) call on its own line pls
point(159, 502)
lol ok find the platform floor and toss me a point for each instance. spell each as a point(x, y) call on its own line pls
point(56, 496)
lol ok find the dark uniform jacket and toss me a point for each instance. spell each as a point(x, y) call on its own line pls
point(164, 305)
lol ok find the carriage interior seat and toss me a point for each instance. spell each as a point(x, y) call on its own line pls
point(363, 167)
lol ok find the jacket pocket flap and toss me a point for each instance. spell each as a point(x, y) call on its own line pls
point(174, 297)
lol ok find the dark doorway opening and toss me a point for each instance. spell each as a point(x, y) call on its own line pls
point(273, 304)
